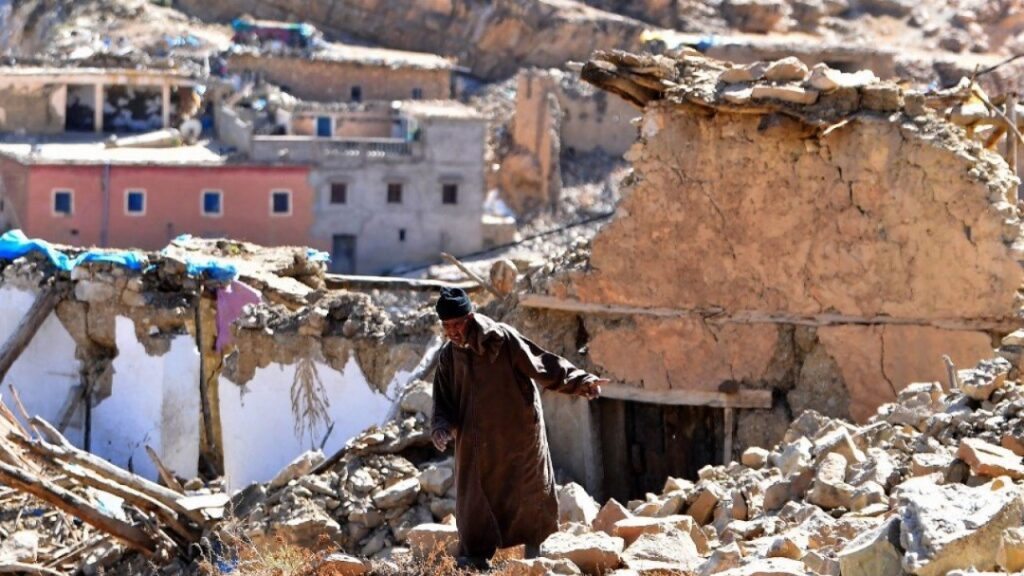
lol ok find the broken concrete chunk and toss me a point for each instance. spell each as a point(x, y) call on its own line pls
point(989, 460)
point(944, 527)
point(788, 69)
point(594, 553)
point(671, 551)
point(874, 553)
point(754, 457)
point(785, 93)
point(575, 505)
point(609, 514)
point(426, 538)
point(838, 442)
point(398, 495)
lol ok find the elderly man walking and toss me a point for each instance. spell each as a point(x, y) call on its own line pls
point(485, 399)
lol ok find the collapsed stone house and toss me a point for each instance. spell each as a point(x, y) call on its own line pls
point(152, 349)
point(787, 241)
point(557, 115)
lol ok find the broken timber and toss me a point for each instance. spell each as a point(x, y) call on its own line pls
point(338, 281)
point(718, 316)
point(45, 302)
point(740, 399)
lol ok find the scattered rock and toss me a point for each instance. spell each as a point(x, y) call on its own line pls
point(400, 494)
point(611, 513)
point(944, 527)
point(748, 73)
point(980, 382)
point(425, 538)
point(575, 505)
point(672, 551)
point(540, 567)
point(754, 457)
point(1011, 550)
point(300, 466)
point(788, 69)
point(342, 565)
point(758, 16)
point(989, 460)
point(874, 553)
point(593, 553)
point(437, 480)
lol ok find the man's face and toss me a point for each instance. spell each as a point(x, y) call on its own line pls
point(456, 329)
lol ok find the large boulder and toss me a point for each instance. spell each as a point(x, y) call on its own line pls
point(593, 552)
point(944, 527)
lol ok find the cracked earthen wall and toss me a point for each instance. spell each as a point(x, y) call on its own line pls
point(833, 267)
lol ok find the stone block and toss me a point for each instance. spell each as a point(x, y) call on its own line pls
point(754, 457)
point(575, 505)
point(425, 539)
point(593, 553)
point(609, 514)
point(875, 553)
point(989, 460)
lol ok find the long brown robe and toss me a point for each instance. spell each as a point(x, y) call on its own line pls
point(485, 394)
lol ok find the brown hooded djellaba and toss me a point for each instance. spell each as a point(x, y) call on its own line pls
point(485, 394)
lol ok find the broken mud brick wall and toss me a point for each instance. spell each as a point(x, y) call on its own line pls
point(821, 237)
point(557, 114)
point(32, 109)
point(308, 368)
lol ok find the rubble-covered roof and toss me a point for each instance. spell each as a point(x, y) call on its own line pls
point(418, 108)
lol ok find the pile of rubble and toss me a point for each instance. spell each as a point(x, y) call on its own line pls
point(366, 498)
point(930, 485)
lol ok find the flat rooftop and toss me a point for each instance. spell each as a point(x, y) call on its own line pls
point(86, 151)
point(93, 75)
point(416, 108)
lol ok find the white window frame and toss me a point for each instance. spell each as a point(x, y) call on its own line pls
point(145, 201)
point(271, 199)
point(202, 203)
point(53, 202)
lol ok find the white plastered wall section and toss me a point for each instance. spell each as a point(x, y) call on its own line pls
point(47, 372)
point(154, 399)
point(259, 429)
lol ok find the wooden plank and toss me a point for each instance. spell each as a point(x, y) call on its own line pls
point(339, 281)
point(44, 304)
point(728, 424)
point(165, 473)
point(719, 316)
point(470, 274)
point(76, 506)
point(741, 399)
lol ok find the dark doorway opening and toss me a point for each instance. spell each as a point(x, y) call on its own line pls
point(343, 254)
point(643, 444)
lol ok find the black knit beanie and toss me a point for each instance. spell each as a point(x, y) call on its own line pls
point(453, 303)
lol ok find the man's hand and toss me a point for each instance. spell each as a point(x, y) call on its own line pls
point(592, 389)
point(441, 438)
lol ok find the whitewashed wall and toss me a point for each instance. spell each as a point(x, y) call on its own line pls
point(47, 371)
point(258, 428)
point(155, 401)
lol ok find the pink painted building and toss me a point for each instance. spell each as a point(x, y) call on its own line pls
point(141, 198)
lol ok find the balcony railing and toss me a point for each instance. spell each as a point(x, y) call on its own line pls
point(314, 149)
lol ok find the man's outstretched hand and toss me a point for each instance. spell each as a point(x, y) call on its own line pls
point(592, 389)
point(441, 438)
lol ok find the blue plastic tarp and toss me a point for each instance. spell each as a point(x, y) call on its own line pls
point(14, 244)
point(317, 255)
